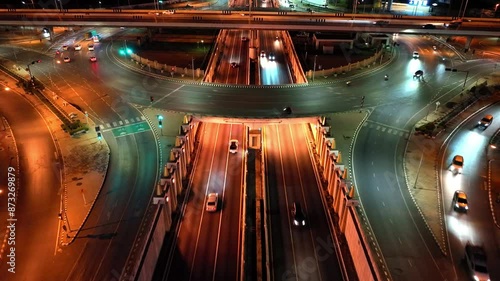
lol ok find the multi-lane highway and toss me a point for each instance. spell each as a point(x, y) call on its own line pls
point(378, 153)
point(251, 21)
point(298, 252)
point(234, 65)
point(476, 225)
point(207, 245)
point(272, 62)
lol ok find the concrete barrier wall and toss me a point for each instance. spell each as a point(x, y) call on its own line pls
point(367, 63)
point(293, 61)
point(215, 57)
point(166, 68)
point(334, 174)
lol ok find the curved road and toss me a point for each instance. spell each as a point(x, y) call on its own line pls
point(38, 198)
point(475, 226)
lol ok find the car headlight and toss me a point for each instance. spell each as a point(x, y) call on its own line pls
point(456, 205)
point(459, 170)
point(467, 207)
point(479, 122)
point(475, 278)
point(295, 222)
point(303, 222)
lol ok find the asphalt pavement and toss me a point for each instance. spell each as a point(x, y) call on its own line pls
point(85, 161)
point(421, 160)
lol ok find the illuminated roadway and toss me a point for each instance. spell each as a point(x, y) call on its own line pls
point(475, 226)
point(410, 251)
point(234, 50)
point(297, 252)
point(38, 201)
point(254, 21)
point(207, 245)
point(273, 71)
point(107, 236)
point(313, 100)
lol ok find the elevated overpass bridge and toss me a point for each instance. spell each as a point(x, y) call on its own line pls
point(250, 20)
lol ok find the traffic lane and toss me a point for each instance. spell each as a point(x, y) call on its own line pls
point(228, 258)
point(243, 73)
point(317, 220)
point(37, 203)
point(115, 257)
point(390, 211)
point(204, 263)
point(476, 225)
point(303, 248)
point(282, 256)
point(101, 227)
point(190, 224)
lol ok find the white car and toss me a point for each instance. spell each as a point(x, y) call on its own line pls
point(233, 146)
point(91, 47)
point(66, 59)
point(78, 47)
point(212, 200)
point(416, 55)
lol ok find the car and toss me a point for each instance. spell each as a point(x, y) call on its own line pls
point(271, 56)
point(277, 38)
point(287, 110)
point(457, 164)
point(418, 74)
point(434, 47)
point(66, 59)
point(476, 261)
point(453, 24)
point(244, 39)
point(93, 59)
point(292, 6)
point(233, 146)
point(58, 52)
point(72, 115)
point(485, 122)
point(212, 201)
point(381, 22)
point(460, 201)
point(416, 55)
point(78, 47)
point(429, 26)
point(91, 47)
point(234, 64)
point(65, 47)
point(262, 54)
point(299, 219)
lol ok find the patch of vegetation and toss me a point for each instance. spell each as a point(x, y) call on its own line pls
point(75, 127)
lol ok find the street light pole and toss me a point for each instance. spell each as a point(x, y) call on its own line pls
point(192, 65)
point(314, 66)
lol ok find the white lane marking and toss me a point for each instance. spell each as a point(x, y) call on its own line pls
point(203, 210)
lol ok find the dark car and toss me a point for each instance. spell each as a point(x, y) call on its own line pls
point(299, 218)
point(234, 64)
point(418, 74)
point(287, 110)
point(429, 26)
point(476, 261)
